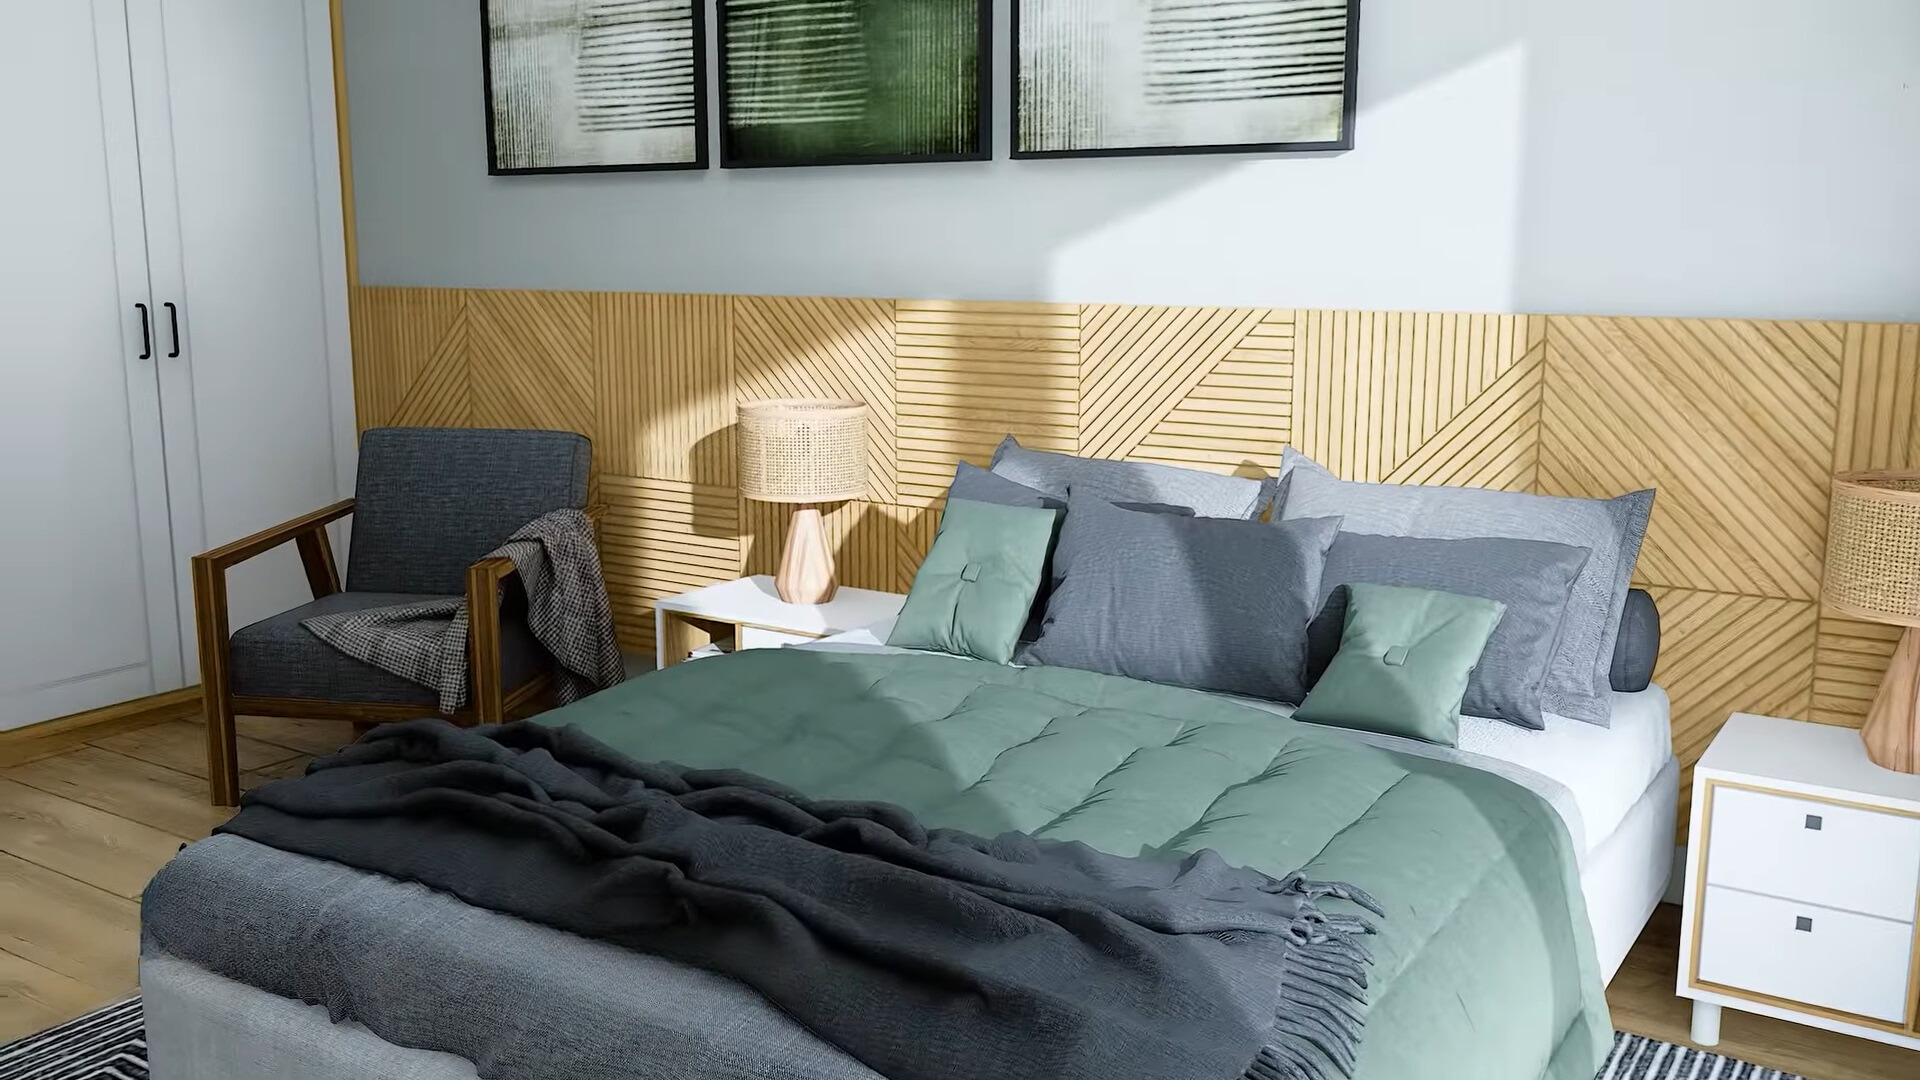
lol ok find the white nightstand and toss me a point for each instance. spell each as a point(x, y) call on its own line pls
point(749, 614)
point(1803, 875)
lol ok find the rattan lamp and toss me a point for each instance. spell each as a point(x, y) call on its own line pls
point(804, 451)
point(1873, 573)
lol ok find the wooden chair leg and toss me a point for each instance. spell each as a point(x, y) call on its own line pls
point(223, 755)
point(210, 618)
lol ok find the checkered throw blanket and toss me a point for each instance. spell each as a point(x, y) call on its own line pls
point(567, 610)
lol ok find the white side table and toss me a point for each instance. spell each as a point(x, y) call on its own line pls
point(749, 614)
point(1803, 884)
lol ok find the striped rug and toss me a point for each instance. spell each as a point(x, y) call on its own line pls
point(110, 1044)
point(106, 1044)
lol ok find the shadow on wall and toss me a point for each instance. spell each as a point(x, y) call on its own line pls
point(1632, 158)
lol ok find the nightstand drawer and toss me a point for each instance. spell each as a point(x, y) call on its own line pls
point(1850, 963)
point(1819, 853)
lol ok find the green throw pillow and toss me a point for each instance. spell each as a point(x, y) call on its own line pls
point(973, 592)
point(1403, 663)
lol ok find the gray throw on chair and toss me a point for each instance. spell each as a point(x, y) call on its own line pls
point(567, 610)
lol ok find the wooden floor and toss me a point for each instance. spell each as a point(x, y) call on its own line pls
point(82, 831)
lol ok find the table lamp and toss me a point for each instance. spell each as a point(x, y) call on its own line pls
point(1873, 573)
point(804, 451)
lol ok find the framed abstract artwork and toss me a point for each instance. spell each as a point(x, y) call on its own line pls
point(1098, 78)
point(594, 85)
point(854, 82)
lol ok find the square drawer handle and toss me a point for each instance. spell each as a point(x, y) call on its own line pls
point(1815, 822)
point(1803, 924)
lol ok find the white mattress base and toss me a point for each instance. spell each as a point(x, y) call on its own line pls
point(1625, 875)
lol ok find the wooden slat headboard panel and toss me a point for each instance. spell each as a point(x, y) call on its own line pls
point(1738, 423)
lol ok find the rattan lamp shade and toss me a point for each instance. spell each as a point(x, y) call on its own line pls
point(803, 450)
point(1873, 573)
point(1873, 547)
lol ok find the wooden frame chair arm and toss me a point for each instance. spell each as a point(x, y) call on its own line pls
point(483, 636)
point(309, 532)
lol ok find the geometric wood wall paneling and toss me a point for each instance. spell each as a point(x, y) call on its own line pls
point(1732, 422)
point(1379, 391)
point(1737, 423)
point(410, 357)
point(660, 538)
point(1137, 364)
point(1238, 417)
point(1849, 660)
point(1877, 429)
point(664, 386)
point(794, 347)
point(969, 373)
point(531, 356)
point(1879, 396)
point(1721, 654)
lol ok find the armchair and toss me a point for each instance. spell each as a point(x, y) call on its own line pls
point(431, 503)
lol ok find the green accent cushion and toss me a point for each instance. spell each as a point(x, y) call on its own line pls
point(973, 592)
point(1404, 662)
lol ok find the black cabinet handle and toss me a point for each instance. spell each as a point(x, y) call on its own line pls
point(146, 334)
point(173, 316)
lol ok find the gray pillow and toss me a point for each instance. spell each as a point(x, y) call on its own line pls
point(1532, 578)
point(1207, 494)
point(1207, 603)
point(971, 483)
point(1637, 648)
point(1579, 683)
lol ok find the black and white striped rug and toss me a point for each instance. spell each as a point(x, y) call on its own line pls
point(106, 1044)
point(110, 1044)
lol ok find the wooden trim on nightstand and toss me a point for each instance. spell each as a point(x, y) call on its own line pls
point(1909, 1028)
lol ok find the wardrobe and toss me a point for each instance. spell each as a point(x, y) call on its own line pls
point(173, 327)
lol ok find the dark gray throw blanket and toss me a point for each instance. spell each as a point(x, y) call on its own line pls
point(927, 954)
point(567, 609)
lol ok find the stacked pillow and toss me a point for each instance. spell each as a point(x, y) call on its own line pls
point(1579, 679)
point(1379, 606)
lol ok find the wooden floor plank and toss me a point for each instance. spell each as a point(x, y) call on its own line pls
point(33, 998)
point(309, 737)
point(75, 929)
point(79, 841)
point(284, 770)
point(164, 798)
point(182, 746)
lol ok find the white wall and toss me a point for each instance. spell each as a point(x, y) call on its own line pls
point(1755, 158)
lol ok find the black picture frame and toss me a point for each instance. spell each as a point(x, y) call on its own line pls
point(1348, 111)
point(702, 134)
point(983, 79)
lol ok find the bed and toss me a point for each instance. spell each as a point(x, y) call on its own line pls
point(259, 962)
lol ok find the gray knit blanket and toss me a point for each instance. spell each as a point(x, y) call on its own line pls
point(567, 610)
point(926, 954)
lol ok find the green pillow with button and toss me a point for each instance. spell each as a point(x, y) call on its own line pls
point(973, 591)
point(1404, 661)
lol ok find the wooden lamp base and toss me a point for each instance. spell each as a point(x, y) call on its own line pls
point(1892, 732)
point(806, 562)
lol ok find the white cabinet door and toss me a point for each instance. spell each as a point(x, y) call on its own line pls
point(90, 606)
point(243, 243)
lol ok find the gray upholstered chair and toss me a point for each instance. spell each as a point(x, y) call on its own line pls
point(430, 503)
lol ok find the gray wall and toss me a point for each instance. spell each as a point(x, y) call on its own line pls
point(1755, 158)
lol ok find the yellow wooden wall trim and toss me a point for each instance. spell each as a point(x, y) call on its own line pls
point(1738, 423)
point(337, 28)
point(49, 737)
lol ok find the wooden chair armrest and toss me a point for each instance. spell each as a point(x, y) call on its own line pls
point(245, 548)
point(483, 636)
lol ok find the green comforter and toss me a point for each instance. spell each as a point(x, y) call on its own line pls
point(1484, 965)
